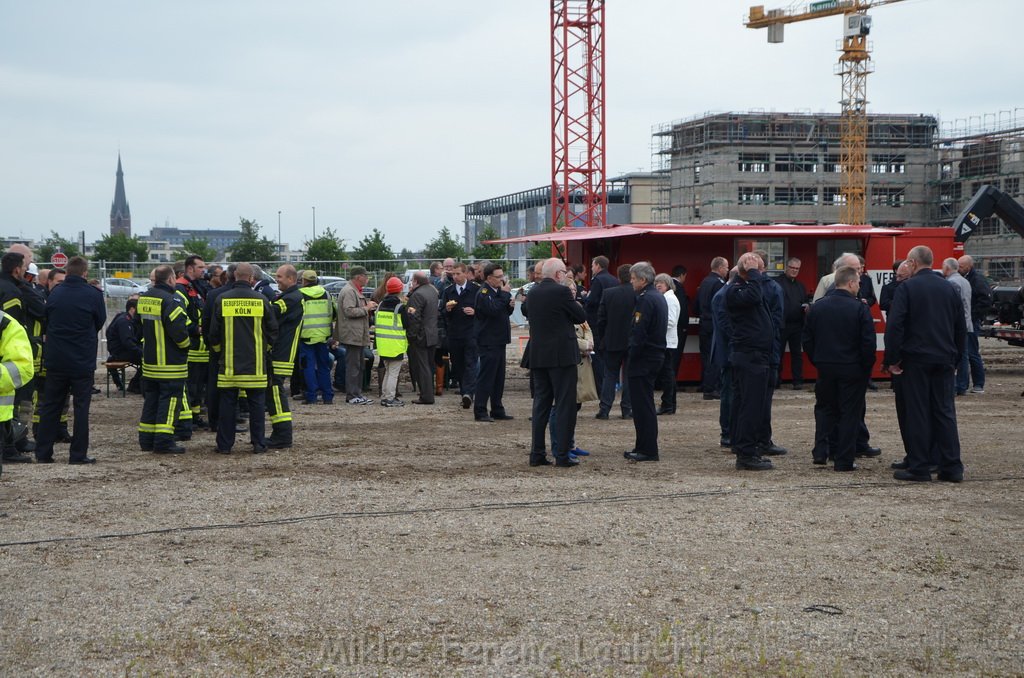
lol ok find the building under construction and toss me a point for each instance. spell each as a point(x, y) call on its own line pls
point(785, 168)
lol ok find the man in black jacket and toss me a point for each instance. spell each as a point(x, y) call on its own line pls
point(457, 306)
point(925, 335)
point(614, 320)
point(840, 340)
point(646, 355)
point(794, 297)
point(554, 357)
point(423, 335)
point(75, 313)
point(494, 305)
point(124, 343)
point(714, 281)
point(600, 280)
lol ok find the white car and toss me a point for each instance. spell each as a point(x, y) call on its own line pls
point(122, 287)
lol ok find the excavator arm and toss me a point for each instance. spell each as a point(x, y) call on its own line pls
point(988, 201)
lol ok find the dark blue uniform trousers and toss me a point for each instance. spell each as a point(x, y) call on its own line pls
point(554, 386)
point(642, 371)
point(58, 386)
point(614, 361)
point(490, 382)
point(931, 433)
point(750, 384)
point(256, 398)
point(839, 401)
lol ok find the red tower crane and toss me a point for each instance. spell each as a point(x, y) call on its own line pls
point(577, 114)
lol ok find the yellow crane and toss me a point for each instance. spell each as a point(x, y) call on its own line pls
point(854, 66)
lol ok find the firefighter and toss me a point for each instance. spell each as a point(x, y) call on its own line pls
point(189, 288)
point(243, 328)
point(22, 303)
point(165, 346)
point(288, 309)
point(17, 370)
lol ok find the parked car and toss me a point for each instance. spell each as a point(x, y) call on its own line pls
point(334, 286)
point(122, 287)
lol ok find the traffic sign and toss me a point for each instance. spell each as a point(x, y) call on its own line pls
point(59, 259)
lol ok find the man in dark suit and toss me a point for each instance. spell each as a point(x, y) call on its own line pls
point(839, 337)
point(795, 298)
point(494, 305)
point(554, 360)
point(457, 302)
point(714, 281)
point(925, 335)
point(600, 281)
point(682, 329)
point(646, 356)
point(614, 319)
point(422, 334)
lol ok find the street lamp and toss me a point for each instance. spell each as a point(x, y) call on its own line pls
point(278, 232)
point(314, 222)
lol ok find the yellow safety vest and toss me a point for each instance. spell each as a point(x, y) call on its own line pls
point(391, 339)
point(16, 369)
point(316, 315)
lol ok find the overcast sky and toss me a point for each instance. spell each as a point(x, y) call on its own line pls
point(393, 115)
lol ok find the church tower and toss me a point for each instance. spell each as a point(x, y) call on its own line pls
point(120, 216)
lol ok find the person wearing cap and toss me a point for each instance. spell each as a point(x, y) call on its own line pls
point(318, 315)
point(353, 332)
point(390, 336)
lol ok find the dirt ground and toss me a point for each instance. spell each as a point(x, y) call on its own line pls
point(417, 542)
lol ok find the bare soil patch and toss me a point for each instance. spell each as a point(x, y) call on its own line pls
point(415, 541)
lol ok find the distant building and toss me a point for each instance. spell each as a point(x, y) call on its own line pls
point(120, 215)
point(167, 239)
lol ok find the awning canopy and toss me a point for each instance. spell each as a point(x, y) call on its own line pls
point(771, 231)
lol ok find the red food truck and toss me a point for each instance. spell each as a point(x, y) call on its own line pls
point(694, 246)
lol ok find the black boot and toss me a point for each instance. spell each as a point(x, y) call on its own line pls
point(280, 436)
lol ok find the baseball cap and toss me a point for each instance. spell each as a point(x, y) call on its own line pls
point(309, 276)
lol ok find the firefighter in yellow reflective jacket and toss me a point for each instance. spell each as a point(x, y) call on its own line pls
point(318, 316)
point(165, 344)
point(16, 370)
point(188, 289)
point(391, 340)
point(243, 328)
point(288, 309)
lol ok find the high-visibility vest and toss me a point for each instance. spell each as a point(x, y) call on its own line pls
point(317, 312)
point(390, 335)
point(16, 367)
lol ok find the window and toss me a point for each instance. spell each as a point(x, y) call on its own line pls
point(796, 195)
point(832, 164)
point(776, 250)
point(886, 196)
point(888, 163)
point(752, 195)
point(833, 196)
point(753, 162)
point(1012, 186)
point(796, 162)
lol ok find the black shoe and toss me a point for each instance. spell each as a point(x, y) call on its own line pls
point(950, 477)
point(713, 396)
point(724, 441)
point(628, 414)
point(772, 450)
point(844, 469)
point(467, 402)
point(17, 459)
point(258, 449)
point(819, 461)
point(485, 418)
point(421, 401)
point(638, 456)
point(199, 422)
point(899, 465)
point(47, 460)
point(666, 410)
point(146, 448)
point(177, 449)
point(63, 437)
point(82, 461)
point(502, 417)
point(870, 452)
point(601, 415)
point(182, 437)
point(753, 464)
point(903, 474)
point(798, 386)
point(568, 463)
point(220, 451)
point(541, 462)
point(25, 445)
point(278, 444)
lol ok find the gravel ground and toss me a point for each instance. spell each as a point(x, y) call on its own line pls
point(418, 542)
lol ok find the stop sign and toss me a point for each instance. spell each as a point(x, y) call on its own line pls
point(59, 259)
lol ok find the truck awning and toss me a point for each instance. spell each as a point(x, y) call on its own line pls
point(772, 231)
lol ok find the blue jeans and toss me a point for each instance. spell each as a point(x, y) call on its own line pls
point(317, 371)
point(338, 353)
point(974, 357)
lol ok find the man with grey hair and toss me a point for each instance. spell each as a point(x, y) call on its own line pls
point(827, 281)
point(981, 304)
point(645, 358)
point(950, 269)
point(353, 332)
point(710, 378)
point(422, 334)
point(924, 338)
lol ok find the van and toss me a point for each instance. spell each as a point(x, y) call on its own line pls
point(407, 277)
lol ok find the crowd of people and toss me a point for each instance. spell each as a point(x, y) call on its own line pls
point(218, 349)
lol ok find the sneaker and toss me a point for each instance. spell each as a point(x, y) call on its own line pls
point(359, 400)
point(978, 389)
point(393, 402)
point(579, 452)
point(753, 464)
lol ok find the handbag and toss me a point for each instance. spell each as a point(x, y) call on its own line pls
point(586, 384)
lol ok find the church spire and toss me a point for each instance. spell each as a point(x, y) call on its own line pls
point(120, 215)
